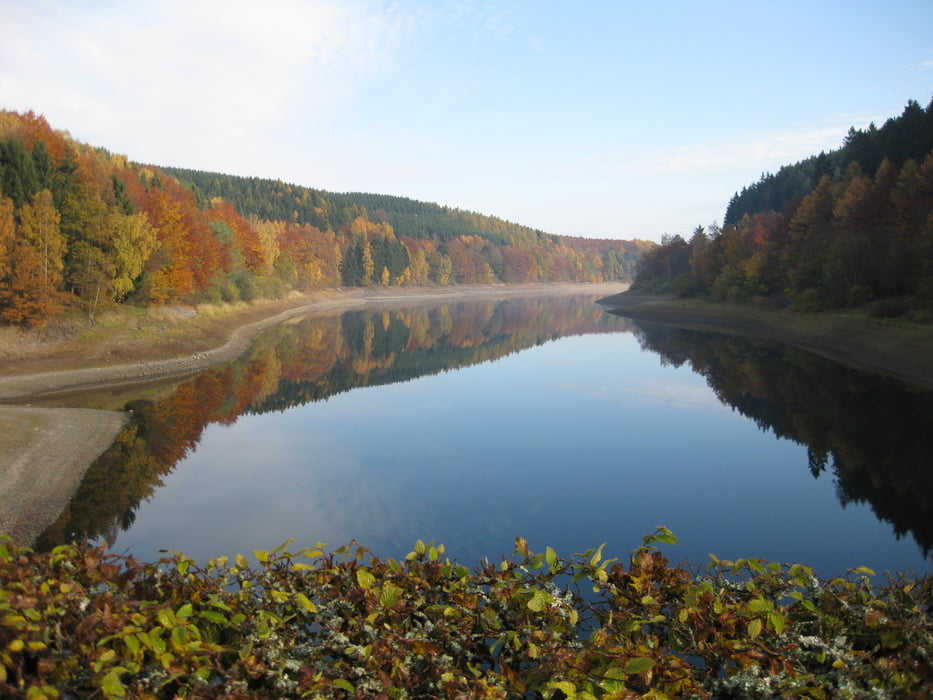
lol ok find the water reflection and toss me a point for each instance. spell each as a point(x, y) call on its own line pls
point(321, 433)
point(873, 434)
point(307, 360)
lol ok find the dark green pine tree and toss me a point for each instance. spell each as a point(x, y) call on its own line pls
point(18, 177)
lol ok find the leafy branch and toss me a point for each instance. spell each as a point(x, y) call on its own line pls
point(82, 622)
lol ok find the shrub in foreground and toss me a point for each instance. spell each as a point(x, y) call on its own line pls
point(81, 622)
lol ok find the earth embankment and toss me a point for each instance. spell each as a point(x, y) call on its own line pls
point(883, 346)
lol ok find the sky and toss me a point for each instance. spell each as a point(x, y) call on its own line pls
point(598, 118)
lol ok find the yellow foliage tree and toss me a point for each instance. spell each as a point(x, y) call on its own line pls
point(39, 225)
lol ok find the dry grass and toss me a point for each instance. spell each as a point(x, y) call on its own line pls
point(127, 334)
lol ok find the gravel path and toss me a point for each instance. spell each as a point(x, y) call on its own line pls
point(45, 460)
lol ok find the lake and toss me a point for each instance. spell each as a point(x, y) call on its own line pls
point(470, 423)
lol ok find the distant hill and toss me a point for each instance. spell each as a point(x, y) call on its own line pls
point(279, 201)
point(82, 227)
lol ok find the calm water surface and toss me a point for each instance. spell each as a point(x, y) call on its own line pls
point(469, 424)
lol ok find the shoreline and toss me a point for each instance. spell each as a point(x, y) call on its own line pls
point(893, 349)
point(45, 452)
point(17, 388)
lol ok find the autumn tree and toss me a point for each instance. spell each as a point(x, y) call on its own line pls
point(245, 237)
point(39, 224)
point(133, 241)
point(7, 238)
point(187, 256)
point(28, 280)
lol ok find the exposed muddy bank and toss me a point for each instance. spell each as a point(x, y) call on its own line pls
point(883, 347)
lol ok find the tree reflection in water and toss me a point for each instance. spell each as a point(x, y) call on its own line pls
point(305, 360)
point(872, 433)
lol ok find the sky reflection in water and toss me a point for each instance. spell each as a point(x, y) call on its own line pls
point(579, 441)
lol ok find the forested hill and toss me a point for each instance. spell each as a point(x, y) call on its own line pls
point(849, 229)
point(279, 201)
point(82, 227)
point(909, 136)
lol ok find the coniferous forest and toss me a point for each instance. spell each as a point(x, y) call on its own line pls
point(849, 228)
point(82, 227)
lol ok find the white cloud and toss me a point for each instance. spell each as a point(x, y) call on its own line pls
point(764, 151)
point(198, 78)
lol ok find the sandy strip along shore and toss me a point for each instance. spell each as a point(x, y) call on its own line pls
point(45, 452)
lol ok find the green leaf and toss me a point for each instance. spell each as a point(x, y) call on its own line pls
point(212, 616)
point(863, 570)
point(281, 547)
point(539, 600)
point(166, 618)
point(550, 556)
point(760, 605)
point(777, 622)
point(754, 628)
point(241, 561)
point(305, 603)
point(614, 680)
point(639, 664)
point(597, 555)
point(186, 610)
point(389, 595)
point(262, 556)
point(343, 684)
point(365, 579)
point(566, 687)
point(112, 685)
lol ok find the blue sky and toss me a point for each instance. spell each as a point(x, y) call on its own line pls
point(604, 119)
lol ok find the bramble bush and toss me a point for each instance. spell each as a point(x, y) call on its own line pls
point(83, 622)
